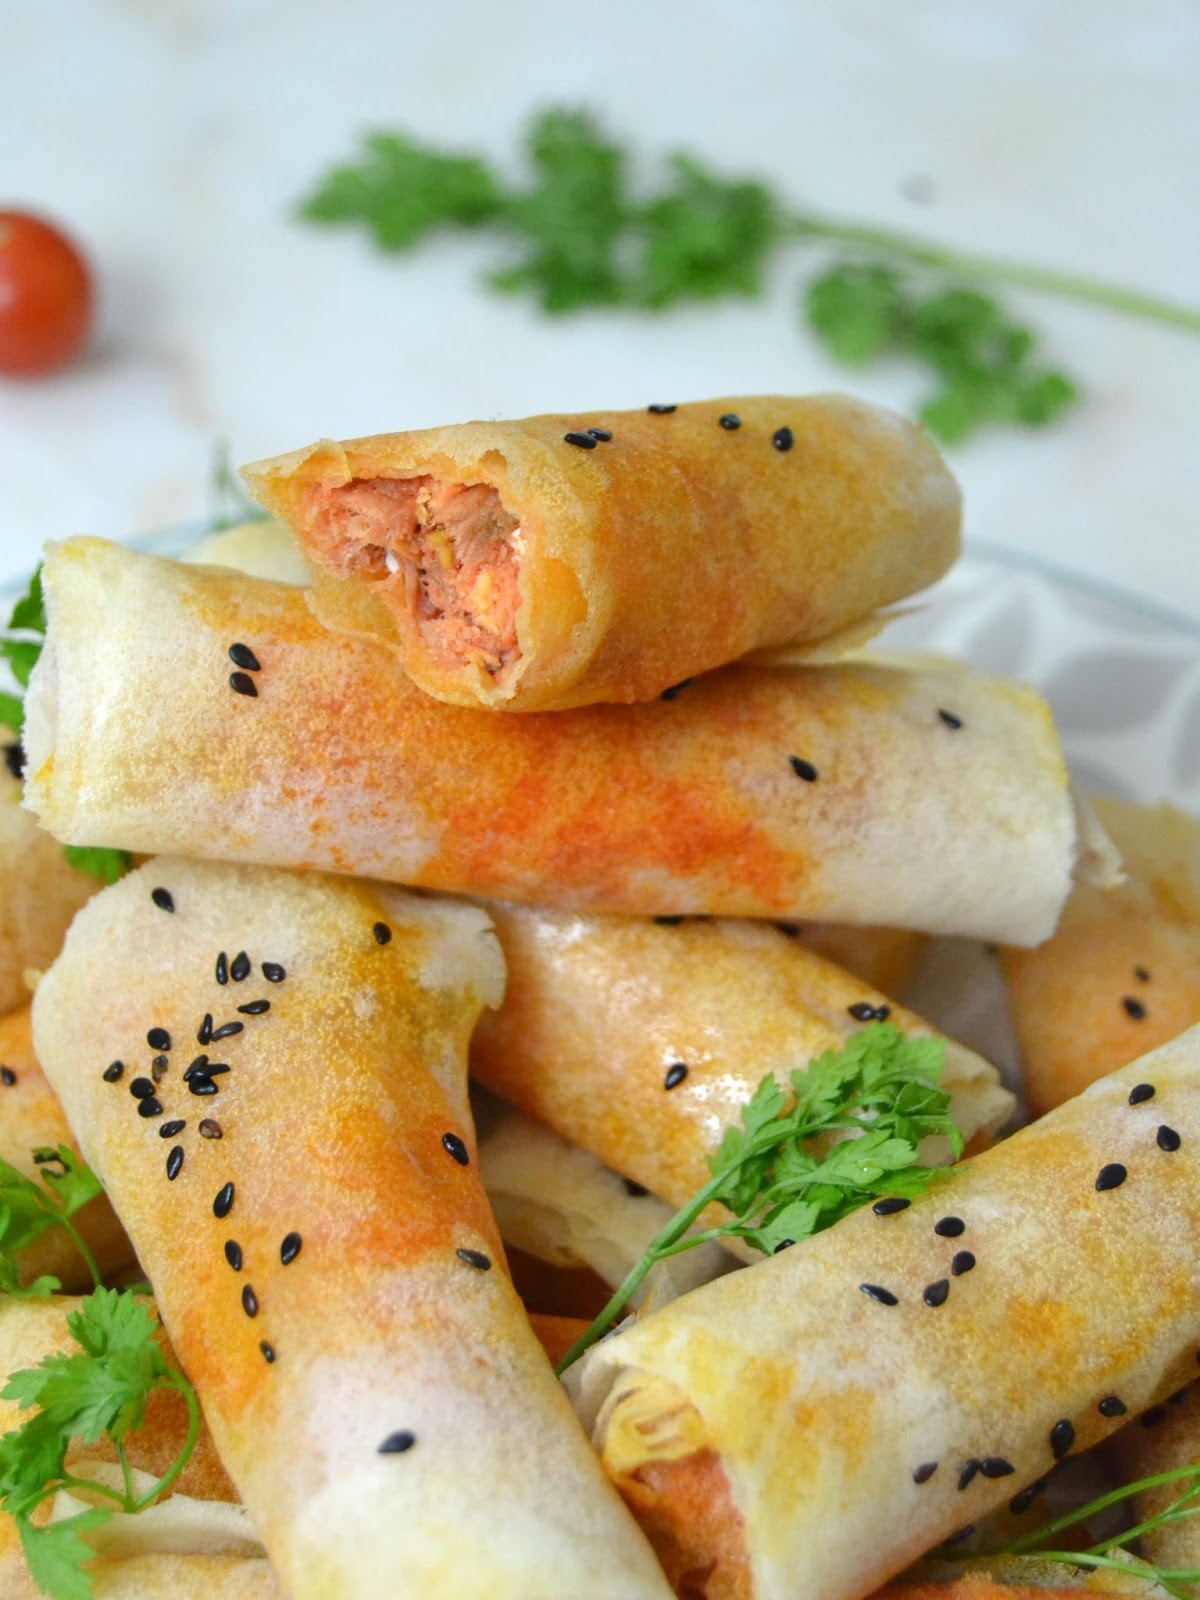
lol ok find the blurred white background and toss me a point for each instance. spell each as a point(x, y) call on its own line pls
point(174, 137)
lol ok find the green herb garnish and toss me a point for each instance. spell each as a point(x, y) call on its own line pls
point(29, 1209)
point(101, 1389)
point(583, 238)
point(21, 645)
point(881, 1088)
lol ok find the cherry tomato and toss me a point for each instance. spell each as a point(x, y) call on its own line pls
point(45, 297)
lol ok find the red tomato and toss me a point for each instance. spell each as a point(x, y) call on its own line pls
point(45, 297)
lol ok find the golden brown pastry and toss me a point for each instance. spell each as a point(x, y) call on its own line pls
point(562, 560)
point(1122, 973)
point(303, 1191)
point(931, 798)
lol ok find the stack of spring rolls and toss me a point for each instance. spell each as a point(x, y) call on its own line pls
point(555, 752)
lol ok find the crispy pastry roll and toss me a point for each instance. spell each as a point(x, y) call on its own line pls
point(39, 893)
point(883, 957)
point(561, 560)
point(1122, 972)
point(642, 1042)
point(31, 1118)
point(196, 1543)
point(302, 1188)
point(264, 548)
point(810, 1425)
point(840, 792)
point(1018, 1578)
point(1160, 1440)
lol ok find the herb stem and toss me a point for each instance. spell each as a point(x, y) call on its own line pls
point(1047, 280)
point(1114, 1497)
point(176, 1381)
point(68, 1482)
point(88, 1258)
point(127, 1475)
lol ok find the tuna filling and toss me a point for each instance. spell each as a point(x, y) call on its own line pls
point(448, 554)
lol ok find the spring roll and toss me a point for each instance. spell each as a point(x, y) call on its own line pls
point(263, 548)
point(303, 1190)
point(1122, 972)
point(39, 892)
point(194, 1544)
point(563, 560)
point(810, 1425)
point(31, 1119)
point(883, 957)
point(1162, 1439)
point(934, 799)
point(641, 1042)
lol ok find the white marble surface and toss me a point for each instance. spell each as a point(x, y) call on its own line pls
point(175, 134)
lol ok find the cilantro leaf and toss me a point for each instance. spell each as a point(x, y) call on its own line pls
point(849, 1132)
point(106, 865)
point(12, 712)
point(705, 238)
point(30, 610)
point(57, 1551)
point(29, 1209)
point(858, 310)
point(400, 190)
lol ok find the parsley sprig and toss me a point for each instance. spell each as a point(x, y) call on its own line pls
point(29, 1209)
point(21, 645)
point(779, 1176)
point(101, 1389)
point(580, 237)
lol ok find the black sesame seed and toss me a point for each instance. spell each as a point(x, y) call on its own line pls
point(141, 1088)
point(1178, 1397)
point(158, 1067)
point(158, 1039)
point(1152, 1418)
point(1062, 1437)
point(170, 1129)
point(197, 1066)
point(204, 1031)
point(455, 1146)
point(474, 1258)
point(890, 1206)
point(227, 1030)
point(249, 1301)
point(782, 439)
point(876, 1292)
point(233, 1254)
point(239, 967)
point(223, 1204)
point(784, 1244)
point(676, 690)
point(1111, 1176)
point(268, 1351)
point(1141, 1092)
point(290, 1248)
point(242, 656)
point(242, 683)
point(730, 421)
point(397, 1443)
point(803, 769)
point(1111, 1406)
point(222, 968)
point(1167, 1139)
point(273, 972)
point(924, 1472)
point(792, 930)
point(969, 1469)
point(149, 1107)
point(669, 922)
point(209, 1128)
point(255, 1008)
point(163, 899)
point(1022, 1501)
point(676, 1073)
point(1142, 974)
point(14, 759)
point(660, 411)
point(950, 718)
point(113, 1072)
point(200, 1083)
point(1134, 1008)
point(963, 1533)
point(635, 1191)
point(962, 1262)
point(936, 1294)
point(949, 1227)
point(602, 434)
point(996, 1467)
point(174, 1161)
point(383, 934)
point(214, 1069)
point(583, 441)
point(7, 1077)
point(864, 1011)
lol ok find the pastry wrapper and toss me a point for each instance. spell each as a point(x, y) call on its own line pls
point(564, 576)
point(837, 793)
